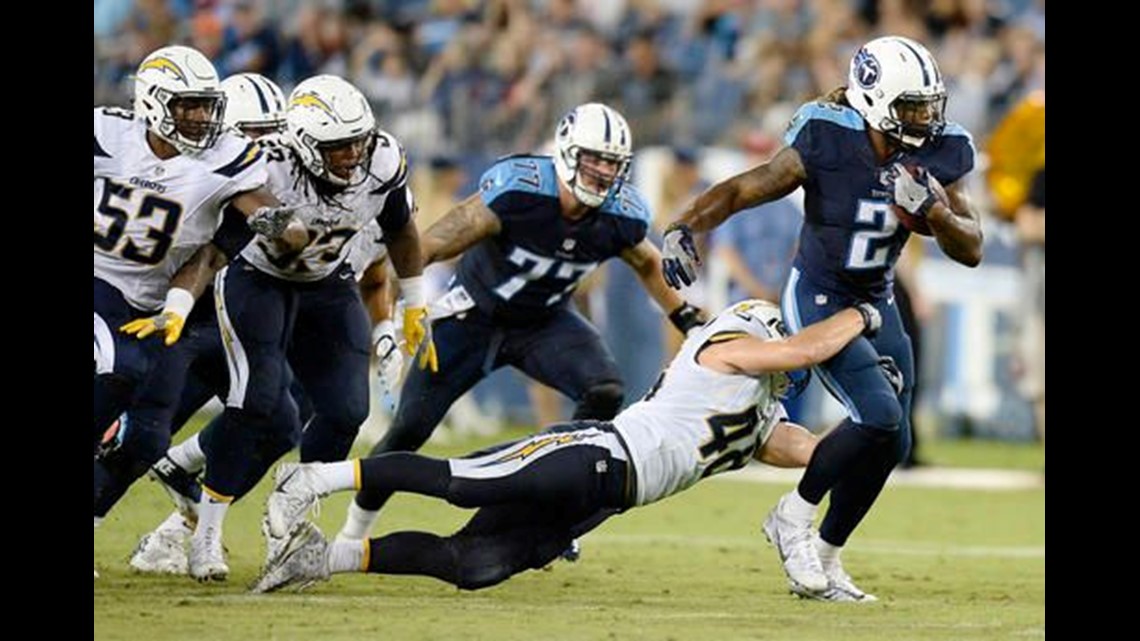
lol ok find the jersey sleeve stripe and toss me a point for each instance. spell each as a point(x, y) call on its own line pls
point(842, 116)
point(244, 160)
point(395, 181)
point(719, 337)
point(99, 151)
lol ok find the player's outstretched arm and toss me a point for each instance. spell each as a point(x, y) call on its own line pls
point(957, 228)
point(790, 445)
point(768, 181)
point(813, 345)
point(466, 224)
point(185, 288)
point(268, 216)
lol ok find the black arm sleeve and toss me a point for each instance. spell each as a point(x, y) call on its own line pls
point(233, 234)
point(395, 213)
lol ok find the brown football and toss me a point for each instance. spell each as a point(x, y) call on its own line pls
point(918, 224)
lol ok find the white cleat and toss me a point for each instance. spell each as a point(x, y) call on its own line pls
point(293, 496)
point(794, 543)
point(207, 558)
point(162, 551)
point(303, 561)
point(841, 587)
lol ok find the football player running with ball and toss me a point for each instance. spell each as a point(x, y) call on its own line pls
point(858, 153)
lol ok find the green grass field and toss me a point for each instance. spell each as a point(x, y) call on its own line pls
point(947, 564)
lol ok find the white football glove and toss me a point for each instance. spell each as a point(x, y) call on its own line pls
point(910, 192)
point(390, 360)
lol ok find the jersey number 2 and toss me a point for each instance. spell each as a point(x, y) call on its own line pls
point(870, 248)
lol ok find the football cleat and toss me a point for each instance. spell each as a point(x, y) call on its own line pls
point(293, 496)
point(162, 551)
point(794, 542)
point(303, 561)
point(207, 560)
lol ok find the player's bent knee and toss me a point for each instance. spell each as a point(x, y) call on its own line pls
point(601, 401)
point(881, 412)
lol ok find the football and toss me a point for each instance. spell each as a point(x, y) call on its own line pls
point(918, 224)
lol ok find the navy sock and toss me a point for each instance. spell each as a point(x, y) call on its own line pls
point(854, 494)
point(406, 472)
point(836, 455)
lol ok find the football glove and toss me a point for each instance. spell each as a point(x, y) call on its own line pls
point(170, 321)
point(912, 192)
point(680, 257)
point(893, 373)
point(390, 362)
point(417, 332)
point(872, 319)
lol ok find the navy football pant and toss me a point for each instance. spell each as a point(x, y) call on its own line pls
point(528, 510)
point(564, 352)
point(854, 460)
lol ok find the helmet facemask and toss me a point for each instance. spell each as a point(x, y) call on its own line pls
point(916, 119)
point(345, 162)
point(596, 174)
point(183, 130)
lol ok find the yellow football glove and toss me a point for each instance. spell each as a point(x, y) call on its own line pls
point(170, 321)
point(417, 332)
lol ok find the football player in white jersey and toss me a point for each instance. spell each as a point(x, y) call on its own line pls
point(301, 311)
point(713, 409)
point(162, 175)
point(256, 107)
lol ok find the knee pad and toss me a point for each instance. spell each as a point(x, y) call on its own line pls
point(601, 402)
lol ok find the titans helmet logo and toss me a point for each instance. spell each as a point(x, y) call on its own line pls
point(867, 71)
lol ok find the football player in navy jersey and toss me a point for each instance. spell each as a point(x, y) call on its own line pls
point(858, 153)
point(537, 226)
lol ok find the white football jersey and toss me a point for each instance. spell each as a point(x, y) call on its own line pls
point(151, 215)
point(337, 219)
point(696, 422)
point(366, 247)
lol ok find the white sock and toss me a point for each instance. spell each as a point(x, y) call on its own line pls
point(211, 512)
point(98, 521)
point(358, 522)
point(349, 556)
point(175, 524)
point(828, 553)
point(798, 508)
point(188, 455)
point(334, 477)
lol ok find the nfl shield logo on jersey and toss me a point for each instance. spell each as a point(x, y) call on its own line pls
point(568, 244)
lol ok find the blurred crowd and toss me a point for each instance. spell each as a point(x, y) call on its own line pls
point(460, 82)
point(492, 76)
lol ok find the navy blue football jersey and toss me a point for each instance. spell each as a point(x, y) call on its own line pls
point(851, 237)
point(534, 263)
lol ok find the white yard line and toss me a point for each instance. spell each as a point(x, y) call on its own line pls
point(935, 477)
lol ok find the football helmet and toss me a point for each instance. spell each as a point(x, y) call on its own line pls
point(254, 104)
point(895, 84)
point(326, 113)
point(601, 133)
point(766, 313)
point(170, 83)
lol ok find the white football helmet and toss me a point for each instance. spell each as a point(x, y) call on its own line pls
point(173, 74)
point(326, 111)
point(254, 104)
point(895, 84)
point(768, 314)
point(602, 131)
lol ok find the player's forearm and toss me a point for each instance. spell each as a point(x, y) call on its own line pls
point(653, 280)
point(712, 207)
point(820, 341)
point(198, 272)
point(404, 250)
point(959, 235)
point(466, 224)
point(376, 292)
